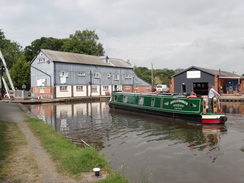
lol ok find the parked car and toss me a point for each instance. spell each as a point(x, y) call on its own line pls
point(162, 88)
point(4, 95)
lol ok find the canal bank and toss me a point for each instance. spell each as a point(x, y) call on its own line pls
point(58, 100)
point(223, 98)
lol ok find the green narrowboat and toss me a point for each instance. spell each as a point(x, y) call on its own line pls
point(169, 105)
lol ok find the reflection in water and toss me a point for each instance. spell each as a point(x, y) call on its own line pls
point(194, 136)
point(95, 123)
point(233, 107)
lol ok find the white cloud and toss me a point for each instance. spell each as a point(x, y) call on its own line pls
point(168, 33)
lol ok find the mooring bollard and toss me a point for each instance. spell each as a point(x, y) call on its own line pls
point(97, 171)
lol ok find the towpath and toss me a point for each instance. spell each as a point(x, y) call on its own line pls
point(47, 172)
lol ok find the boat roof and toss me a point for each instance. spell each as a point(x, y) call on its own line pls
point(152, 94)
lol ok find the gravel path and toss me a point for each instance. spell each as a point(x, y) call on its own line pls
point(12, 112)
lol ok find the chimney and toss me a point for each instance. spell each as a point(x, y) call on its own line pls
point(107, 60)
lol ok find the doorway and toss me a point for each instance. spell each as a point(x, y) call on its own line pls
point(183, 88)
point(200, 88)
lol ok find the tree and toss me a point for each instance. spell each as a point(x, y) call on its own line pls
point(20, 72)
point(10, 50)
point(42, 43)
point(84, 42)
point(144, 73)
point(161, 76)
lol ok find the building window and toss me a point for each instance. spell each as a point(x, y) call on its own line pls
point(109, 75)
point(141, 100)
point(41, 82)
point(116, 76)
point(105, 88)
point(94, 89)
point(42, 90)
point(79, 88)
point(63, 88)
point(125, 99)
point(81, 74)
point(127, 87)
point(63, 74)
point(116, 98)
point(41, 59)
point(128, 76)
point(97, 75)
point(153, 102)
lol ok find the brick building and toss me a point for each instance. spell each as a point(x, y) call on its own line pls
point(197, 79)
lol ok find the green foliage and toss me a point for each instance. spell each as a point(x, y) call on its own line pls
point(144, 73)
point(160, 76)
point(42, 43)
point(10, 50)
point(114, 177)
point(84, 42)
point(20, 73)
point(11, 139)
point(4, 145)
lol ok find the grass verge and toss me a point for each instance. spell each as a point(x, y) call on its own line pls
point(16, 161)
point(68, 157)
point(4, 144)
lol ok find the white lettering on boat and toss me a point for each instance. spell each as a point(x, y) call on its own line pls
point(179, 101)
point(178, 106)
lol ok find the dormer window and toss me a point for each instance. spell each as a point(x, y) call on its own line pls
point(109, 75)
point(63, 74)
point(97, 75)
point(116, 77)
point(41, 59)
point(81, 74)
point(128, 76)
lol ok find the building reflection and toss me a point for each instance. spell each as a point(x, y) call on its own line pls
point(86, 121)
point(232, 107)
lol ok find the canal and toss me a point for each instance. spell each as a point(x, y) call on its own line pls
point(155, 149)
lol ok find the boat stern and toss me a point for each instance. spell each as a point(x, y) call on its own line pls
point(214, 118)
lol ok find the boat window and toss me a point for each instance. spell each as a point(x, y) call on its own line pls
point(125, 98)
point(141, 101)
point(153, 102)
point(116, 98)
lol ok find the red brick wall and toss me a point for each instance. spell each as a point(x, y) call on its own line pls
point(216, 83)
point(47, 92)
point(139, 89)
point(171, 86)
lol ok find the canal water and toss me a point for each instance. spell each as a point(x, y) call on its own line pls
point(155, 149)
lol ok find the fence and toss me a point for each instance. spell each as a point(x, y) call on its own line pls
point(21, 94)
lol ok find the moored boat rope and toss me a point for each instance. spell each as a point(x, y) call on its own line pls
point(80, 140)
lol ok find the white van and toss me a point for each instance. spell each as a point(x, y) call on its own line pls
point(162, 88)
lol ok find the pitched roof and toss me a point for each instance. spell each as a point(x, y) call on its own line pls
point(220, 73)
point(68, 57)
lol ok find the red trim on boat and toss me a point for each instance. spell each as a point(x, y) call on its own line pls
point(211, 121)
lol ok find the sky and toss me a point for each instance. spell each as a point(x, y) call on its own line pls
point(161, 34)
